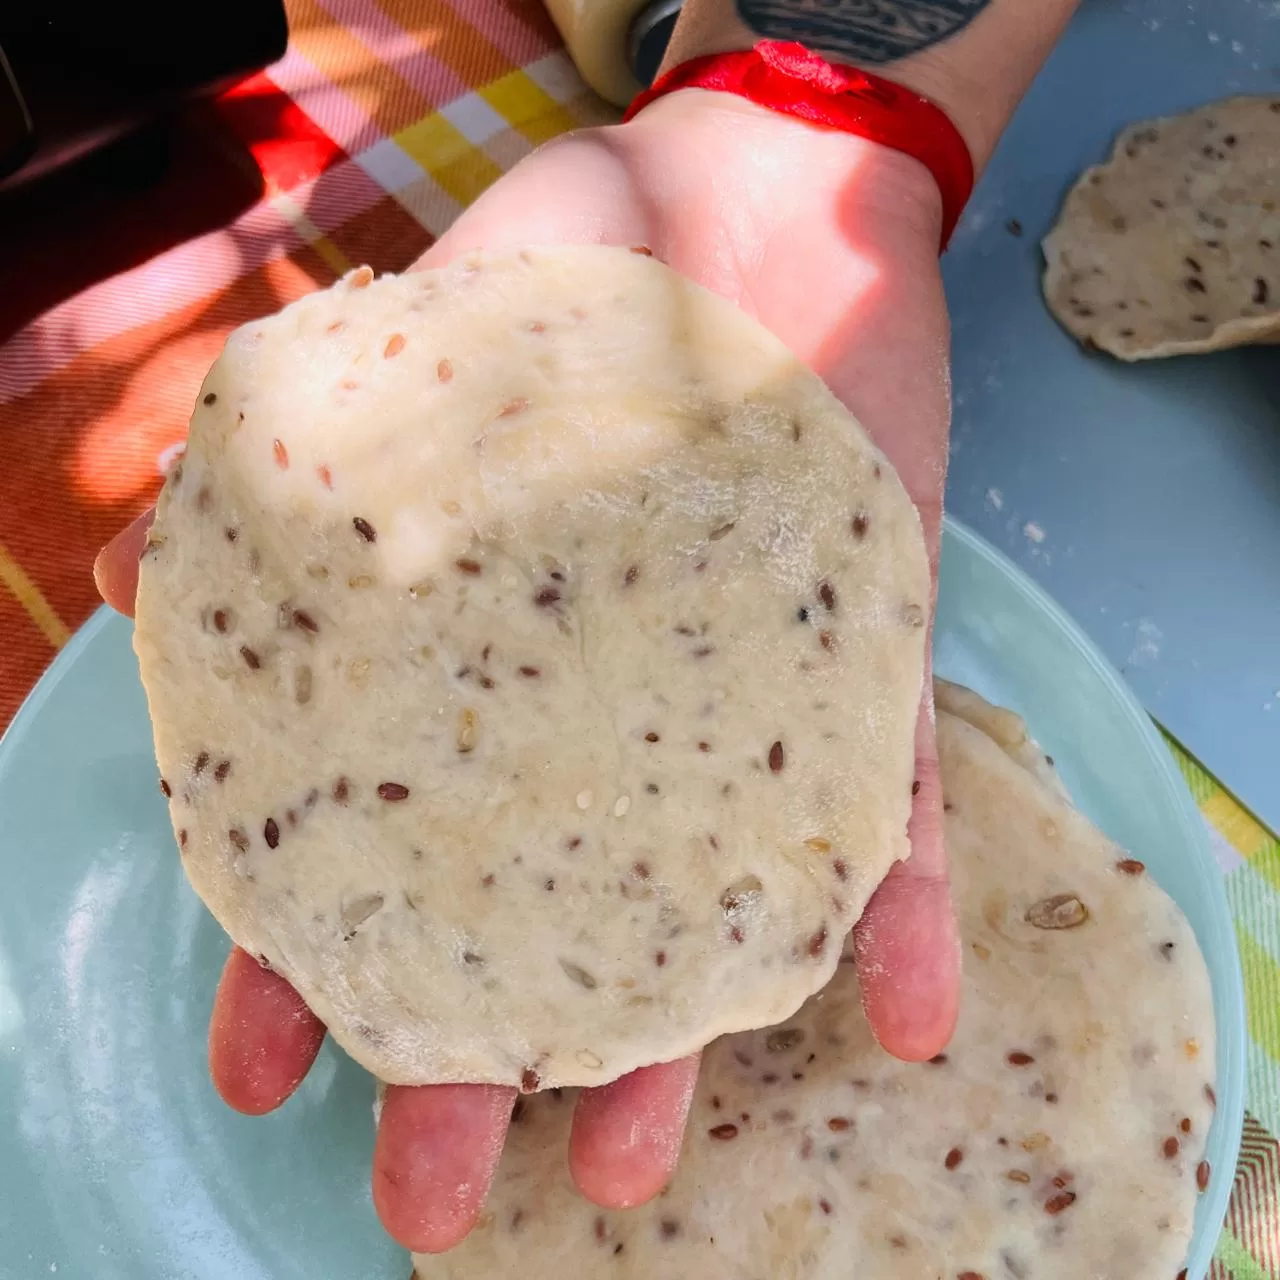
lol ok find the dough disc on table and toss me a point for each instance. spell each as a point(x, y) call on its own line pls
point(534, 649)
point(1059, 1136)
point(1173, 245)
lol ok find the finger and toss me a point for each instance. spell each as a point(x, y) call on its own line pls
point(626, 1135)
point(438, 1146)
point(262, 1038)
point(906, 945)
point(116, 569)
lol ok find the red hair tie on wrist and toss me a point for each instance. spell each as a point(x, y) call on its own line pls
point(787, 77)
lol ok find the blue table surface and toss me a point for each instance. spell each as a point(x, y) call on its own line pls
point(1145, 498)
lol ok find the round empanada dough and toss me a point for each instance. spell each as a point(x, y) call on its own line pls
point(534, 648)
point(1173, 245)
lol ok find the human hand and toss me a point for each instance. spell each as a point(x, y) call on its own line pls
point(831, 242)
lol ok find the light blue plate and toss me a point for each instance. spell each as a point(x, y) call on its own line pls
point(118, 1162)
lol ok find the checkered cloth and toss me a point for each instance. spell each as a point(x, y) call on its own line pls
point(376, 129)
point(384, 120)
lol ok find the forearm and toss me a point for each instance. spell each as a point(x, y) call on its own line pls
point(974, 58)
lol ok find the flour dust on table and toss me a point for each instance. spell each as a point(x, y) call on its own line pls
point(1060, 1135)
point(534, 648)
point(1173, 245)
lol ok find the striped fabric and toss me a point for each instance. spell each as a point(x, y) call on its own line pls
point(1249, 856)
point(383, 120)
point(380, 123)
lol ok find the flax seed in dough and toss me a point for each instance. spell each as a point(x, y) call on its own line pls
point(534, 649)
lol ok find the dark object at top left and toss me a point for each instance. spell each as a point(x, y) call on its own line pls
point(75, 77)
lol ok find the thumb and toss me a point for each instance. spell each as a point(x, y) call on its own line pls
point(906, 945)
point(115, 571)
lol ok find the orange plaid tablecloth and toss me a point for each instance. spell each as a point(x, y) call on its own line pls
point(384, 120)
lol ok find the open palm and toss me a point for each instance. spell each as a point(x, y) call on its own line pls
point(831, 242)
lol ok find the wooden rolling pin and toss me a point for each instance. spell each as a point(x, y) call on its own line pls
point(615, 43)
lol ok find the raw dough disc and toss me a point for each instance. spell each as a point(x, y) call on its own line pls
point(534, 650)
point(1059, 1136)
point(1173, 245)
point(1007, 730)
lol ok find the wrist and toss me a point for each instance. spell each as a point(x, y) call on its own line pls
point(718, 29)
point(829, 239)
point(977, 76)
point(791, 169)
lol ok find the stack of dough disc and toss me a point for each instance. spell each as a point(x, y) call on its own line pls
point(1060, 1135)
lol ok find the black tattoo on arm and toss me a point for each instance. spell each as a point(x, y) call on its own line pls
point(860, 31)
